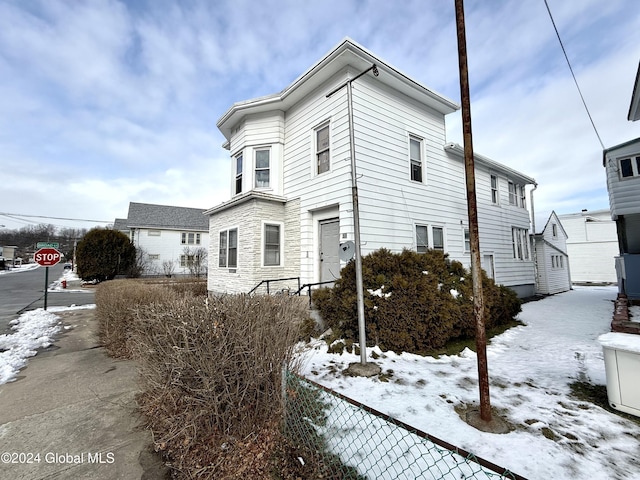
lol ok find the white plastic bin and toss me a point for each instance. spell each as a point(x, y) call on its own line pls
point(622, 367)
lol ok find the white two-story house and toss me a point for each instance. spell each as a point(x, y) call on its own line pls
point(552, 261)
point(167, 235)
point(290, 215)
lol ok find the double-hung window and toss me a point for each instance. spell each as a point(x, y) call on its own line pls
point(228, 248)
point(522, 191)
point(272, 245)
point(322, 149)
point(238, 174)
point(415, 158)
point(438, 238)
point(494, 189)
point(263, 162)
point(520, 243)
point(467, 240)
point(630, 167)
point(513, 198)
point(422, 238)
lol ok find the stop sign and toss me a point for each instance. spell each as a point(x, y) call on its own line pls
point(47, 257)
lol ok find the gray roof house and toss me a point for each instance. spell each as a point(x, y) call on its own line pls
point(169, 236)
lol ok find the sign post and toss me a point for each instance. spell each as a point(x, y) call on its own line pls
point(47, 257)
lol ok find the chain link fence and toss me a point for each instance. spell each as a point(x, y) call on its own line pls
point(348, 440)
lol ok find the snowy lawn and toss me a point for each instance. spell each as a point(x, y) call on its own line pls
point(555, 435)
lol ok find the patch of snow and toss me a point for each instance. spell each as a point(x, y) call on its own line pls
point(621, 341)
point(530, 370)
point(454, 293)
point(379, 293)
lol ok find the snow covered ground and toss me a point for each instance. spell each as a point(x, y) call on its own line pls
point(32, 330)
point(530, 367)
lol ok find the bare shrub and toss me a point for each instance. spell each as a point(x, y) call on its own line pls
point(116, 302)
point(211, 374)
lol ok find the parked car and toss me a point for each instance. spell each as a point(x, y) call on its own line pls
point(67, 266)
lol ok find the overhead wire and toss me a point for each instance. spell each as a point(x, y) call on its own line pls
point(573, 74)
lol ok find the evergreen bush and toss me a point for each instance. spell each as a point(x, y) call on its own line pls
point(104, 253)
point(413, 302)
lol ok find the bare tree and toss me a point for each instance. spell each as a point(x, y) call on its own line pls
point(168, 268)
point(196, 260)
point(142, 265)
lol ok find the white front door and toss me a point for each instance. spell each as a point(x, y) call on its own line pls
point(329, 249)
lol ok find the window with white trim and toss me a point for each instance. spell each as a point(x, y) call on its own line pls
point(513, 198)
point(154, 256)
point(154, 233)
point(629, 167)
point(228, 248)
point(239, 167)
point(415, 158)
point(520, 244)
point(323, 163)
point(422, 238)
point(190, 238)
point(272, 245)
point(554, 230)
point(263, 162)
point(438, 238)
point(522, 191)
point(494, 190)
point(467, 240)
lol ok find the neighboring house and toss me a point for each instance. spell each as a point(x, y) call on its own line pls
point(552, 260)
point(592, 246)
point(622, 163)
point(291, 210)
point(120, 224)
point(164, 232)
point(7, 256)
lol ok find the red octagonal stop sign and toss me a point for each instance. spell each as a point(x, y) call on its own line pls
point(47, 257)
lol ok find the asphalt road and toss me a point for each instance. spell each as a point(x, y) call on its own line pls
point(24, 290)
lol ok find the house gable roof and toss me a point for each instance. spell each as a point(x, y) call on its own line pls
point(554, 216)
point(146, 215)
point(514, 175)
point(347, 53)
point(634, 108)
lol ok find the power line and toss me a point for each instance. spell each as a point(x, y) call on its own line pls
point(573, 75)
point(13, 215)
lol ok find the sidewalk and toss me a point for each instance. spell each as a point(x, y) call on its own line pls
point(71, 413)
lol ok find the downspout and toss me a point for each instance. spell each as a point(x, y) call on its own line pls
point(533, 239)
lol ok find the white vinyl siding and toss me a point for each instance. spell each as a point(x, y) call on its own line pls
point(624, 196)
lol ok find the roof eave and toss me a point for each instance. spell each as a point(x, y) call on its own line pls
point(492, 164)
point(361, 58)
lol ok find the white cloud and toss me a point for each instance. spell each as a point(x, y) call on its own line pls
point(121, 98)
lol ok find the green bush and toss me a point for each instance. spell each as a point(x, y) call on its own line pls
point(104, 253)
point(413, 302)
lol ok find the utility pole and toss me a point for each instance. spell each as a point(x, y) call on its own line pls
point(472, 208)
point(356, 215)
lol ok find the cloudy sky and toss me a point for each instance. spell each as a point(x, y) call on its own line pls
point(104, 102)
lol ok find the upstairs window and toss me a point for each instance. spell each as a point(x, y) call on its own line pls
point(522, 191)
point(467, 240)
point(190, 238)
point(228, 248)
point(422, 238)
point(494, 190)
point(554, 230)
point(630, 167)
point(238, 174)
point(262, 168)
point(322, 149)
point(513, 198)
point(415, 157)
point(271, 245)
